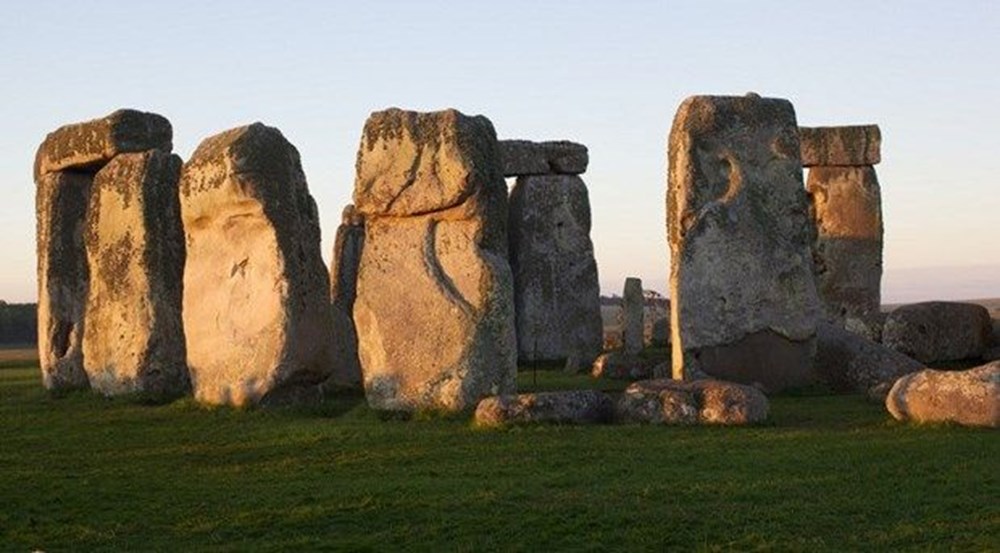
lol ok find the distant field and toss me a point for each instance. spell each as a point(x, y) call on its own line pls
point(825, 474)
point(18, 355)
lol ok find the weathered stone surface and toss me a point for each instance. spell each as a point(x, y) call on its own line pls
point(618, 365)
point(848, 362)
point(525, 158)
point(86, 147)
point(868, 325)
point(744, 305)
point(938, 331)
point(564, 407)
point(256, 292)
point(434, 308)
point(133, 339)
point(847, 210)
point(632, 316)
point(667, 401)
point(61, 200)
point(970, 397)
point(659, 332)
point(850, 145)
point(347, 250)
point(556, 289)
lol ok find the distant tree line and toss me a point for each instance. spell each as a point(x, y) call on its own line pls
point(18, 323)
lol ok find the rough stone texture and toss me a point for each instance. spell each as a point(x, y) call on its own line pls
point(617, 365)
point(659, 332)
point(744, 305)
point(525, 158)
point(133, 339)
point(435, 302)
point(556, 289)
point(87, 146)
point(850, 145)
point(61, 200)
point(847, 210)
point(938, 331)
point(667, 401)
point(848, 362)
point(868, 325)
point(347, 250)
point(970, 397)
point(633, 337)
point(565, 407)
point(256, 293)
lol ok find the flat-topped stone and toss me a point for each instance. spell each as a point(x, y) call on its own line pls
point(855, 145)
point(563, 407)
point(88, 146)
point(525, 158)
point(938, 331)
point(970, 397)
point(667, 401)
point(744, 305)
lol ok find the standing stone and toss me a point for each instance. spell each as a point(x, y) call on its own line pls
point(556, 289)
point(434, 308)
point(744, 305)
point(61, 208)
point(133, 340)
point(256, 292)
point(347, 250)
point(847, 209)
point(633, 335)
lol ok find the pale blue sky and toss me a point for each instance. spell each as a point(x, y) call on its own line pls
point(607, 74)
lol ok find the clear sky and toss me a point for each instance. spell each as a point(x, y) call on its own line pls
point(608, 74)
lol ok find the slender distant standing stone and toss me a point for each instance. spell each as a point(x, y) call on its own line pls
point(133, 339)
point(256, 292)
point(556, 289)
point(434, 309)
point(632, 316)
point(347, 248)
point(744, 305)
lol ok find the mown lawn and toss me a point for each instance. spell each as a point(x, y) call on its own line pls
point(826, 473)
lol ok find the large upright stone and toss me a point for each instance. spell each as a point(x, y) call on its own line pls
point(347, 248)
point(88, 146)
point(256, 292)
point(633, 309)
point(744, 305)
point(855, 145)
point(556, 290)
point(434, 308)
point(61, 208)
point(133, 339)
point(847, 209)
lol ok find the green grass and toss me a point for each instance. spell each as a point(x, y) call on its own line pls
point(826, 473)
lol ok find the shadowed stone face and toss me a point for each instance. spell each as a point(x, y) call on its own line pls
point(524, 158)
point(434, 308)
point(256, 292)
point(847, 209)
point(742, 282)
point(347, 249)
point(633, 337)
point(133, 339)
point(556, 288)
point(61, 208)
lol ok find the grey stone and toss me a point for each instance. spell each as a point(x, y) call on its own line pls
point(61, 200)
point(564, 407)
point(347, 250)
point(88, 146)
point(970, 397)
point(526, 158)
point(256, 293)
point(847, 210)
point(848, 362)
point(849, 145)
point(618, 365)
point(633, 312)
point(434, 308)
point(556, 289)
point(743, 293)
point(667, 401)
point(133, 339)
point(938, 331)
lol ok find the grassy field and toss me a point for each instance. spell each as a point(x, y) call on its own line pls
point(826, 473)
